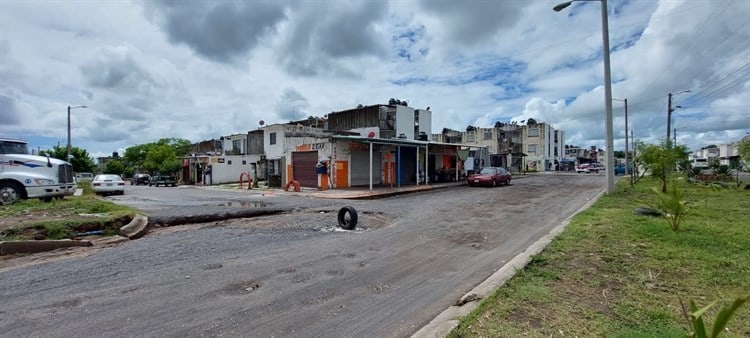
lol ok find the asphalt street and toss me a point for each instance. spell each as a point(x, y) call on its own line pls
point(290, 274)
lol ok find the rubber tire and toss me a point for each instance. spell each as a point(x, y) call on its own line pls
point(352, 222)
point(18, 190)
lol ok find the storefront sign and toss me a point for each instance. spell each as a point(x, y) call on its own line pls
point(313, 146)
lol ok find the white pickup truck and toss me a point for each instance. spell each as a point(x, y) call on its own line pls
point(25, 176)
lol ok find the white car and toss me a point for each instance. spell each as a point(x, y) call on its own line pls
point(586, 168)
point(108, 184)
point(83, 177)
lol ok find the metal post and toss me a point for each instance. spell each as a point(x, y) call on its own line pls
point(67, 158)
point(370, 166)
point(626, 136)
point(610, 171)
point(607, 93)
point(632, 172)
point(632, 175)
point(426, 163)
point(416, 160)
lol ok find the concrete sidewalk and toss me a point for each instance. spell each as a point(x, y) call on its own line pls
point(359, 192)
point(379, 191)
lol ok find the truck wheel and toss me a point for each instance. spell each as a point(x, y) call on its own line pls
point(347, 223)
point(11, 192)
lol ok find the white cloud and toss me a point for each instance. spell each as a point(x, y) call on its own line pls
point(155, 69)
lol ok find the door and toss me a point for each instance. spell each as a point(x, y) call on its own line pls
point(361, 170)
point(303, 168)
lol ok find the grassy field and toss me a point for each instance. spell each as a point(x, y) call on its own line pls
point(612, 273)
point(58, 219)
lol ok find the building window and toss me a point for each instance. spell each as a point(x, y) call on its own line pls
point(532, 148)
point(469, 137)
point(237, 147)
point(272, 138)
point(488, 135)
point(533, 132)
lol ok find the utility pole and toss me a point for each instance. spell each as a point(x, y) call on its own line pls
point(669, 112)
point(67, 158)
point(626, 136)
point(669, 115)
point(632, 172)
point(675, 137)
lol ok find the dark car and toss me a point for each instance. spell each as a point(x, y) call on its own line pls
point(162, 179)
point(140, 179)
point(491, 176)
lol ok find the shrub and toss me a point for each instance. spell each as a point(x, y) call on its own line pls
point(673, 205)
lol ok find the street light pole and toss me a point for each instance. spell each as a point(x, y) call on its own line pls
point(626, 133)
point(607, 93)
point(67, 158)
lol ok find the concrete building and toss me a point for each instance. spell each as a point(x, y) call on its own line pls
point(723, 154)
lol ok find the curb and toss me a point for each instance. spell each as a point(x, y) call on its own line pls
point(20, 247)
point(448, 320)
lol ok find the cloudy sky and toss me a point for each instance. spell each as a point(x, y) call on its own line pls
point(198, 69)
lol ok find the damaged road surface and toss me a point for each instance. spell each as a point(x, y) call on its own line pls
point(293, 273)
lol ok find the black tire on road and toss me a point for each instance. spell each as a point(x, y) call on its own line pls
point(347, 223)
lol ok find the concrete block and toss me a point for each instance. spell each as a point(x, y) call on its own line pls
point(136, 228)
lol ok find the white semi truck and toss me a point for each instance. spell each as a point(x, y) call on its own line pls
point(25, 176)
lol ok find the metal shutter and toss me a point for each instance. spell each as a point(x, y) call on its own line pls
point(303, 168)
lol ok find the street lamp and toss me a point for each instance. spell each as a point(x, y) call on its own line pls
point(607, 93)
point(670, 110)
point(67, 158)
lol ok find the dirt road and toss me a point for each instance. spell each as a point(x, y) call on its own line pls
point(294, 274)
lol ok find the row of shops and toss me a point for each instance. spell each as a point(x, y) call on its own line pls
point(342, 161)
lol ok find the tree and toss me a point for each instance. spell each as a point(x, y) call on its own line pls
point(744, 148)
point(661, 160)
point(81, 161)
point(619, 154)
point(531, 121)
point(160, 156)
point(114, 166)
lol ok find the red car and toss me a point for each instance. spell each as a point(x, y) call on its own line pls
point(491, 176)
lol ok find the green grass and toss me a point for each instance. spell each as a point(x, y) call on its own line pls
point(58, 219)
point(612, 273)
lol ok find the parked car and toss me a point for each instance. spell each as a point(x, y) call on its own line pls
point(620, 169)
point(162, 179)
point(108, 184)
point(140, 179)
point(84, 177)
point(491, 176)
point(586, 168)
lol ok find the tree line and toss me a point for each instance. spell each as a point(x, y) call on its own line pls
point(162, 156)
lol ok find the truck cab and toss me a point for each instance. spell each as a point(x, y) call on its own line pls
point(25, 176)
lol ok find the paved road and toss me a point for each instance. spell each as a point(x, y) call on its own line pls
point(290, 274)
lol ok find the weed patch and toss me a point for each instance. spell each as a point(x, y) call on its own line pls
point(613, 273)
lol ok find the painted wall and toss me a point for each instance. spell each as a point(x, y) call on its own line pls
point(227, 169)
point(405, 121)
